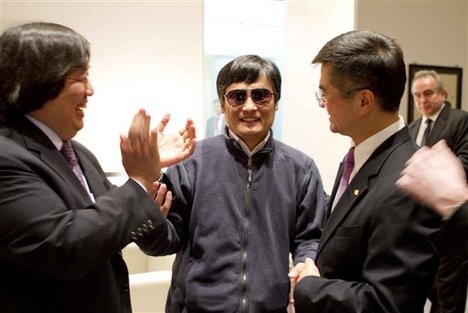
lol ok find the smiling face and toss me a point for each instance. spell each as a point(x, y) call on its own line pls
point(249, 121)
point(65, 113)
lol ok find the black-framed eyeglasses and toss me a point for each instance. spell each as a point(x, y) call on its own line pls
point(321, 98)
point(238, 97)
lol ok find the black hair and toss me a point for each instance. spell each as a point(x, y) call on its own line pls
point(367, 59)
point(35, 60)
point(248, 68)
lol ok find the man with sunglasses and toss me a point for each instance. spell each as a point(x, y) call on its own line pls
point(243, 202)
point(375, 254)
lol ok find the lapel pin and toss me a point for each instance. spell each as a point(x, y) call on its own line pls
point(356, 192)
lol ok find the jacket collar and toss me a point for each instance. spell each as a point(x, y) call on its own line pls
point(28, 135)
point(235, 148)
point(439, 125)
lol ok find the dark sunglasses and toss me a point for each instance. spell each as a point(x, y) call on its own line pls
point(238, 97)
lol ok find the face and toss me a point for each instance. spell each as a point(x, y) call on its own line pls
point(249, 121)
point(65, 114)
point(428, 98)
point(340, 109)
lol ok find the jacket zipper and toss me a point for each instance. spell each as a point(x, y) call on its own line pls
point(245, 237)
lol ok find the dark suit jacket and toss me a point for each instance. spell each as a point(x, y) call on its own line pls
point(451, 281)
point(456, 225)
point(59, 251)
point(452, 275)
point(374, 254)
point(451, 125)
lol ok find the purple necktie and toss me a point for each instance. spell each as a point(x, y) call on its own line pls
point(70, 156)
point(348, 169)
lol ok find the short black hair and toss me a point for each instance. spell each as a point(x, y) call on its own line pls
point(367, 59)
point(247, 68)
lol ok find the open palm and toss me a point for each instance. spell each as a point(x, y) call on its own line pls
point(174, 148)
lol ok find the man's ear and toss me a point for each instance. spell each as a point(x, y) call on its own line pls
point(367, 101)
point(444, 93)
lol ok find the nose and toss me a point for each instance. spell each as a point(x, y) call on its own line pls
point(89, 89)
point(249, 104)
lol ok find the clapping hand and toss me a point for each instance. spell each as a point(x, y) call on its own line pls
point(174, 148)
point(139, 149)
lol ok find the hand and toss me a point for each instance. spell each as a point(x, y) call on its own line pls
point(293, 276)
point(310, 269)
point(435, 177)
point(175, 147)
point(140, 154)
point(162, 198)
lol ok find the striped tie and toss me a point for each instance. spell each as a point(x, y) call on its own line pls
point(70, 156)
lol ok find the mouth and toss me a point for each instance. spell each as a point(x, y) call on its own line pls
point(80, 108)
point(249, 119)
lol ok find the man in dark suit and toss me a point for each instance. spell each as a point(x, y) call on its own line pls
point(429, 94)
point(450, 124)
point(374, 254)
point(62, 225)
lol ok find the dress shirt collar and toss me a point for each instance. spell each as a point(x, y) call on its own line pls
point(244, 146)
point(56, 140)
point(434, 116)
point(58, 143)
point(365, 149)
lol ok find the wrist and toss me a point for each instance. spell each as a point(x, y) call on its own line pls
point(451, 210)
point(145, 183)
point(448, 204)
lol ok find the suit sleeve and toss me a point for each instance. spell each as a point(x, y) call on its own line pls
point(390, 268)
point(453, 233)
point(158, 244)
point(48, 229)
point(457, 137)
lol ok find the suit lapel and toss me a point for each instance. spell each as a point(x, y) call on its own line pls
point(414, 128)
point(439, 125)
point(34, 140)
point(355, 191)
point(94, 179)
point(334, 190)
point(358, 186)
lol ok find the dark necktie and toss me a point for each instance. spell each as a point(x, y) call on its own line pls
point(348, 169)
point(70, 156)
point(426, 132)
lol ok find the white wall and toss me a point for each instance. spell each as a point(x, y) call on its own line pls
point(150, 54)
point(143, 55)
point(309, 25)
point(430, 32)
